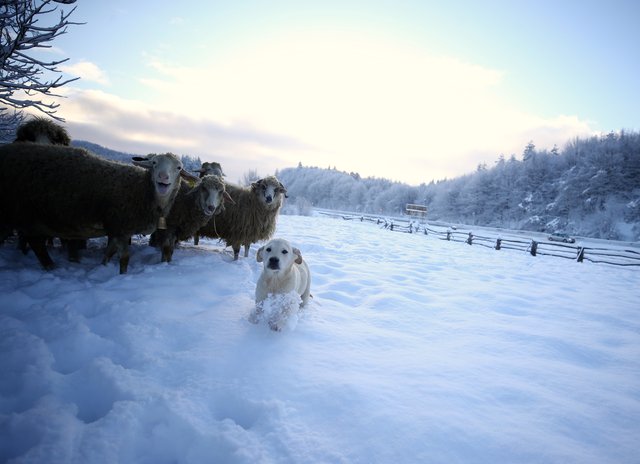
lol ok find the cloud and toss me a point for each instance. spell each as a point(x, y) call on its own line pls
point(137, 127)
point(88, 71)
point(382, 109)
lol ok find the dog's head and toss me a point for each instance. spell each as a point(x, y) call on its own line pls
point(278, 255)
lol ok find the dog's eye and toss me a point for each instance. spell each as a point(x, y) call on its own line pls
point(269, 250)
point(284, 252)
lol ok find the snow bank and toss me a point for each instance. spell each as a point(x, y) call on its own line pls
point(412, 350)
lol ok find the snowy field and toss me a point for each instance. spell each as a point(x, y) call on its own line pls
point(413, 350)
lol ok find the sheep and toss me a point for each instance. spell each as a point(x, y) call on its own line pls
point(77, 195)
point(45, 131)
point(210, 168)
point(207, 168)
point(252, 216)
point(191, 210)
point(42, 130)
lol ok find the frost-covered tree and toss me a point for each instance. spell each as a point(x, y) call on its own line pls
point(27, 27)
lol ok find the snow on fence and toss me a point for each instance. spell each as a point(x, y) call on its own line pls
point(604, 255)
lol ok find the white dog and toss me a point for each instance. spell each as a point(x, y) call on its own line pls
point(284, 272)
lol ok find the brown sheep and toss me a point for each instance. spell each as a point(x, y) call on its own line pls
point(207, 168)
point(192, 209)
point(56, 191)
point(42, 130)
point(45, 131)
point(252, 216)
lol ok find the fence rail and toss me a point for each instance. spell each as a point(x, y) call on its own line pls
point(578, 253)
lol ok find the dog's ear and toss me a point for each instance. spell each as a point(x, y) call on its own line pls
point(298, 255)
point(259, 254)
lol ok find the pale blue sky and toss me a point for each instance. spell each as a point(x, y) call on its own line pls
point(437, 87)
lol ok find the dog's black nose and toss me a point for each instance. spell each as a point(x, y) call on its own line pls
point(274, 263)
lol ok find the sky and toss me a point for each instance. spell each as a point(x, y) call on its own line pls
point(413, 91)
point(413, 349)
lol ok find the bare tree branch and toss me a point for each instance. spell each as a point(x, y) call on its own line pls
point(23, 76)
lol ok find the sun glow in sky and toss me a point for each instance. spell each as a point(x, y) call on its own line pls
point(412, 91)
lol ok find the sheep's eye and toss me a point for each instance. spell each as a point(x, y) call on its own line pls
point(284, 252)
point(268, 250)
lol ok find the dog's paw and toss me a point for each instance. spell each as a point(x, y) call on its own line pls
point(275, 326)
point(256, 315)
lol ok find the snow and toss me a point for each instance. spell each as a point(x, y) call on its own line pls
point(413, 349)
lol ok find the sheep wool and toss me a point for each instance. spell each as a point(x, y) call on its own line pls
point(58, 191)
point(192, 209)
point(251, 218)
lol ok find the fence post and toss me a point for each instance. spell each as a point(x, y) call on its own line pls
point(391, 226)
point(580, 254)
point(534, 247)
point(410, 228)
point(498, 243)
point(470, 239)
point(448, 235)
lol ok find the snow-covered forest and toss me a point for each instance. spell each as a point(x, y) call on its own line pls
point(591, 188)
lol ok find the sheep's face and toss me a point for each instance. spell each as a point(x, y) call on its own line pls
point(166, 170)
point(211, 195)
point(269, 191)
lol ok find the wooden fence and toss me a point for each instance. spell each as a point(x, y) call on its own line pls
point(576, 252)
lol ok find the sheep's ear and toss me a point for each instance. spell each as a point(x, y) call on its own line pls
point(227, 198)
point(143, 161)
point(190, 177)
point(298, 255)
point(256, 184)
point(283, 189)
point(259, 254)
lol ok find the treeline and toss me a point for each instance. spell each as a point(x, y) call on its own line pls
point(590, 188)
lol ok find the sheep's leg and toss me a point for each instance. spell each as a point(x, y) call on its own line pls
point(153, 239)
point(167, 253)
point(110, 251)
point(246, 249)
point(39, 247)
point(118, 245)
point(23, 243)
point(196, 239)
point(168, 244)
point(124, 260)
point(236, 252)
point(73, 249)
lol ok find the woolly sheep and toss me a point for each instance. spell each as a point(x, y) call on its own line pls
point(45, 131)
point(252, 216)
point(210, 168)
point(42, 130)
point(191, 210)
point(78, 195)
point(207, 168)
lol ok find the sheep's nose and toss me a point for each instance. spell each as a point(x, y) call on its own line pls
point(163, 176)
point(269, 199)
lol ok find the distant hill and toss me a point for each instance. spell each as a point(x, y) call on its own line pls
point(590, 188)
point(190, 163)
